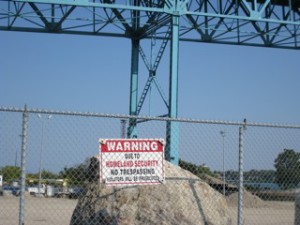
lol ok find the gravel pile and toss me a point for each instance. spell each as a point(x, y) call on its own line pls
point(249, 200)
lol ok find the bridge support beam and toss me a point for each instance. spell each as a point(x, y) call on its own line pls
point(171, 151)
point(132, 129)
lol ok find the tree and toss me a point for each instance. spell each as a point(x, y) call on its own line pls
point(75, 175)
point(260, 176)
point(10, 173)
point(47, 177)
point(287, 166)
point(46, 174)
point(195, 169)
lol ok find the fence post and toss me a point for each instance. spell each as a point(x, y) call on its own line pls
point(241, 175)
point(23, 166)
point(297, 210)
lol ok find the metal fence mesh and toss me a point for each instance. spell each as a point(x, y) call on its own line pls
point(60, 175)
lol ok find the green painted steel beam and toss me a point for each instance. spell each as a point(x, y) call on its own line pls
point(172, 151)
point(133, 104)
point(265, 25)
point(173, 9)
point(86, 3)
point(135, 47)
point(152, 68)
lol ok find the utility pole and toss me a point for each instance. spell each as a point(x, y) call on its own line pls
point(223, 134)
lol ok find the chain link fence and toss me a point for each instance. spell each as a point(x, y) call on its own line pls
point(229, 172)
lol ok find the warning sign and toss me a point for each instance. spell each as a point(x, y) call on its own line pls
point(131, 161)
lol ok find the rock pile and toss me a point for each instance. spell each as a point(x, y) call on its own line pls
point(182, 200)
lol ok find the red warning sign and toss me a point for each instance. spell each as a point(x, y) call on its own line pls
point(131, 161)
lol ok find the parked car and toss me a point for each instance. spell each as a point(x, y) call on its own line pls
point(75, 192)
point(11, 190)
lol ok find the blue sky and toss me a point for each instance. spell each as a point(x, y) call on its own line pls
point(84, 73)
point(92, 74)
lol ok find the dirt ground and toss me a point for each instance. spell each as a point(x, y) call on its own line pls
point(281, 213)
point(58, 211)
point(259, 212)
point(38, 210)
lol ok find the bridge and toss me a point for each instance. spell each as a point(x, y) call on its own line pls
point(261, 23)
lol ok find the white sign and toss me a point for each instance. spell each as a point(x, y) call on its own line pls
point(1, 180)
point(131, 161)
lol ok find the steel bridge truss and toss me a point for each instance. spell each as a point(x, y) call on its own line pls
point(262, 23)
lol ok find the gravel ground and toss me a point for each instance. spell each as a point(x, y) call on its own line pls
point(58, 211)
point(38, 210)
point(259, 212)
point(277, 215)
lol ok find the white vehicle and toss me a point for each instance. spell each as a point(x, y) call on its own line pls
point(52, 191)
point(34, 190)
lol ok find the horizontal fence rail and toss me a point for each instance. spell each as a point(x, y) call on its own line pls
point(91, 114)
point(229, 172)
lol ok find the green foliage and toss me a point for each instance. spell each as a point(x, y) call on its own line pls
point(32, 176)
point(287, 166)
point(260, 176)
point(49, 175)
point(10, 173)
point(75, 175)
point(197, 170)
point(231, 175)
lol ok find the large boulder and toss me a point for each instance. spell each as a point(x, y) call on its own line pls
point(183, 199)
